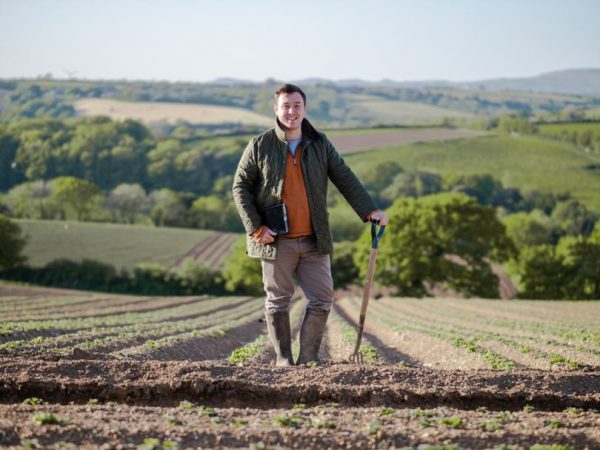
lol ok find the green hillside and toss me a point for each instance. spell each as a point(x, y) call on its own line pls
point(524, 162)
point(116, 244)
point(377, 109)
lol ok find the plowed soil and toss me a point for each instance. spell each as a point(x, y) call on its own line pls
point(295, 407)
point(423, 391)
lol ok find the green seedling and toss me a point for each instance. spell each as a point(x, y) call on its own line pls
point(504, 416)
point(324, 424)
point(258, 446)
point(151, 344)
point(573, 410)
point(49, 419)
point(30, 443)
point(369, 353)
point(172, 420)
point(287, 421)
point(454, 421)
point(528, 408)
point(423, 413)
point(553, 423)
point(506, 447)
point(426, 422)
point(219, 332)
point(186, 405)
point(490, 425)
point(374, 426)
point(92, 402)
point(156, 444)
point(239, 421)
point(387, 411)
point(206, 411)
point(33, 401)
point(333, 405)
point(299, 406)
point(482, 409)
point(243, 354)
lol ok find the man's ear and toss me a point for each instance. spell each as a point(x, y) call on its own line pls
point(275, 108)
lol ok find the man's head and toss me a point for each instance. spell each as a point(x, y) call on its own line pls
point(290, 105)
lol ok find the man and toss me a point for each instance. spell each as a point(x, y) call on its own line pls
point(291, 164)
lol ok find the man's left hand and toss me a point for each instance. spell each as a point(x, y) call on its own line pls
point(380, 216)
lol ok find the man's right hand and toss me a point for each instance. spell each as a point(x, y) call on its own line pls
point(264, 235)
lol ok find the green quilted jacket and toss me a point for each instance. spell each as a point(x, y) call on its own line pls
point(259, 177)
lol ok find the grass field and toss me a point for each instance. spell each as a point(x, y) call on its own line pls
point(522, 161)
point(556, 129)
point(119, 245)
point(394, 111)
point(149, 112)
point(89, 370)
point(581, 134)
point(350, 141)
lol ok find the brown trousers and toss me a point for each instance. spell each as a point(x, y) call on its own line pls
point(300, 257)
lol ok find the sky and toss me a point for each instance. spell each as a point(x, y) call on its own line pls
point(197, 40)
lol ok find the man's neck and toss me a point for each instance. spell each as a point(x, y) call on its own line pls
point(290, 135)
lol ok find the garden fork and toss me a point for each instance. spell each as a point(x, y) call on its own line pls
point(357, 356)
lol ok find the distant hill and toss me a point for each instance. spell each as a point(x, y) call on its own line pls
point(572, 81)
point(569, 81)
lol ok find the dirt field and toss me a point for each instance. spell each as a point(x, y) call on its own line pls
point(149, 112)
point(85, 370)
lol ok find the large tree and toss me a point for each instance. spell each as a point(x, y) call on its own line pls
point(444, 239)
point(81, 196)
point(13, 241)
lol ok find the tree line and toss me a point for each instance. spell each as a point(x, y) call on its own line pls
point(445, 239)
point(335, 104)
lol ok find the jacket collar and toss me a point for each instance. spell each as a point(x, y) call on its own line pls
point(309, 133)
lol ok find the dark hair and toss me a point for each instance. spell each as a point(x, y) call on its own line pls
point(288, 88)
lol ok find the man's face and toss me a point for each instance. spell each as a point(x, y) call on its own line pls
point(290, 109)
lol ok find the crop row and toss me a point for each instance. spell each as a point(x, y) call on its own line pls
point(123, 335)
point(516, 317)
point(17, 305)
point(201, 306)
point(536, 333)
point(472, 339)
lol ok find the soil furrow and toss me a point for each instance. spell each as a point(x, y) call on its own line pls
point(215, 383)
point(386, 353)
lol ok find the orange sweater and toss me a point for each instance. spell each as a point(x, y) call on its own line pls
point(294, 197)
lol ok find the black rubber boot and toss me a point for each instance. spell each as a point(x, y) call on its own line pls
point(311, 334)
point(278, 324)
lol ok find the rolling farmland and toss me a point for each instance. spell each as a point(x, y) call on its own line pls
point(123, 245)
point(85, 370)
point(525, 162)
